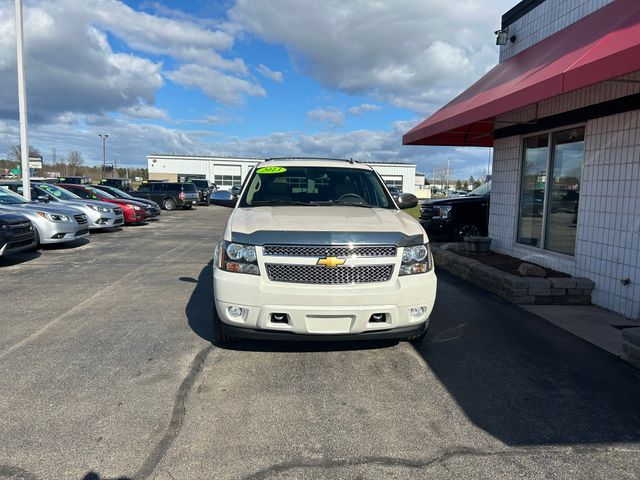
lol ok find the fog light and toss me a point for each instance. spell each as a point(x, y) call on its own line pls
point(235, 311)
point(417, 311)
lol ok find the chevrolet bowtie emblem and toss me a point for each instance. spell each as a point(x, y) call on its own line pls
point(331, 262)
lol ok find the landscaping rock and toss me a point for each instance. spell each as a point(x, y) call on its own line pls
point(530, 270)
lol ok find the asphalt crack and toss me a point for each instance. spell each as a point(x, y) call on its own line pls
point(16, 473)
point(328, 464)
point(177, 416)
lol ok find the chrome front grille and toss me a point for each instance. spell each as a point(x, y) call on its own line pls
point(81, 218)
point(328, 251)
point(320, 275)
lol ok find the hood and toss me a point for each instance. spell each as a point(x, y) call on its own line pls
point(126, 201)
point(8, 217)
point(333, 219)
point(46, 207)
point(457, 200)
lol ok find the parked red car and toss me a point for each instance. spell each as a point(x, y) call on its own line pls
point(134, 212)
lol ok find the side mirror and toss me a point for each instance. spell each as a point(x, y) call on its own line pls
point(406, 200)
point(224, 198)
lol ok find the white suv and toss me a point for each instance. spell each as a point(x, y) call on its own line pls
point(317, 249)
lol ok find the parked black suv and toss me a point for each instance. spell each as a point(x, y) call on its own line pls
point(458, 217)
point(169, 195)
point(76, 180)
point(205, 189)
point(16, 233)
point(123, 184)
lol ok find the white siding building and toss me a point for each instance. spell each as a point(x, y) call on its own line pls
point(562, 111)
point(228, 171)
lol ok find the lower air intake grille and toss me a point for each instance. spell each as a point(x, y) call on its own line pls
point(320, 275)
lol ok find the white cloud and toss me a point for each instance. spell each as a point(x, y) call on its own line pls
point(414, 54)
point(329, 116)
point(146, 112)
point(267, 72)
point(364, 108)
point(217, 86)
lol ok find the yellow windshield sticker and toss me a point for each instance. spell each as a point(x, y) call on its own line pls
point(268, 170)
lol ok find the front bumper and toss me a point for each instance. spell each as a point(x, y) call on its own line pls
point(138, 216)
point(60, 232)
point(327, 311)
point(100, 220)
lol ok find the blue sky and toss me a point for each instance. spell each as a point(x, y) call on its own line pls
point(244, 78)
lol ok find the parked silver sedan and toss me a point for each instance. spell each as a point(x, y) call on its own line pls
point(100, 214)
point(53, 224)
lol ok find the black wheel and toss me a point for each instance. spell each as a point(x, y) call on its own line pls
point(169, 204)
point(467, 228)
point(218, 331)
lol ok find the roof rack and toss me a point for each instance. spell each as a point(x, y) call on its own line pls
point(350, 160)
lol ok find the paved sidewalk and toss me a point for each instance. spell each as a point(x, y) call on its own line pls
point(597, 326)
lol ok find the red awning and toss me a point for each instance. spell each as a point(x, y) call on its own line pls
point(599, 47)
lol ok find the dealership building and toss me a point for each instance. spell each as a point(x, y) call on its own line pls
point(226, 172)
point(562, 111)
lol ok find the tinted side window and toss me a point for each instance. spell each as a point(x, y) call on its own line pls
point(172, 187)
point(82, 193)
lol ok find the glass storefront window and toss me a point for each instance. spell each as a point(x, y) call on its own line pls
point(549, 203)
point(534, 180)
point(564, 188)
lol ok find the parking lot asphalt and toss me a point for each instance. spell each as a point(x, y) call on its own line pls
point(108, 371)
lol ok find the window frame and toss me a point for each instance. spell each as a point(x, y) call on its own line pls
point(547, 191)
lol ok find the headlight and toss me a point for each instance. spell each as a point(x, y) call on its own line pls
point(443, 212)
point(416, 259)
point(236, 257)
point(135, 207)
point(97, 208)
point(54, 217)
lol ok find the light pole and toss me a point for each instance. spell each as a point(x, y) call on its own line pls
point(104, 137)
point(22, 104)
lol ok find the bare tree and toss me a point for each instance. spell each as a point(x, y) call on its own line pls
point(15, 152)
point(75, 161)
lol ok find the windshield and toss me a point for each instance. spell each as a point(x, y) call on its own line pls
point(99, 193)
point(58, 192)
point(482, 190)
point(315, 186)
point(7, 197)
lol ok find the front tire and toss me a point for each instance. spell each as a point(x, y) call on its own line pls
point(169, 204)
point(466, 228)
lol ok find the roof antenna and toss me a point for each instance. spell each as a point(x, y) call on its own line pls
point(351, 159)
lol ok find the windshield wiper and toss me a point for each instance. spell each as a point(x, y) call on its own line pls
point(262, 203)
